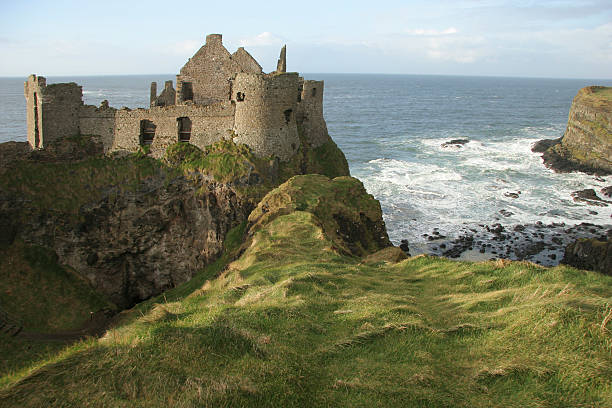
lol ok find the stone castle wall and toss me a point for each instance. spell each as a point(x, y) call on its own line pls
point(218, 95)
point(98, 122)
point(310, 113)
point(209, 124)
point(266, 106)
point(52, 110)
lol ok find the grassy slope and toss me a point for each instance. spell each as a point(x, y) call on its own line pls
point(28, 275)
point(293, 323)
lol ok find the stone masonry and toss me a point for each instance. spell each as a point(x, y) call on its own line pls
point(218, 96)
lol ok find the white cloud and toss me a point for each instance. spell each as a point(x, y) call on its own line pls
point(186, 47)
point(431, 33)
point(264, 39)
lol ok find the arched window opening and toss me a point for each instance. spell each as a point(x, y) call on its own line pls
point(184, 129)
point(147, 132)
point(314, 92)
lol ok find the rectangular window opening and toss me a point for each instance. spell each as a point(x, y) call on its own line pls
point(184, 129)
point(147, 132)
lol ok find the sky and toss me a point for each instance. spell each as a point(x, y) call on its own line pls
point(545, 38)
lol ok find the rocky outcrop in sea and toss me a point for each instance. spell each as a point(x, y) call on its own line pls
point(586, 145)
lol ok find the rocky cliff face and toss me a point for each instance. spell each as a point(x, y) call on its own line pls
point(593, 254)
point(133, 244)
point(133, 226)
point(587, 143)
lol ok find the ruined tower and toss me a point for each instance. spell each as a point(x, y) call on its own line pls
point(52, 111)
point(281, 65)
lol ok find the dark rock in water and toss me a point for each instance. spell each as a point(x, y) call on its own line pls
point(506, 213)
point(591, 254)
point(543, 145)
point(607, 191)
point(590, 197)
point(455, 143)
point(529, 250)
point(459, 246)
point(404, 246)
point(510, 194)
point(591, 212)
point(495, 228)
point(519, 228)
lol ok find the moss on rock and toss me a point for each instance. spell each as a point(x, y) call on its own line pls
point(350, 216)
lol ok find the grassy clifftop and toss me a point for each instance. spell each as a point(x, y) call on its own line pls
point(297, 321)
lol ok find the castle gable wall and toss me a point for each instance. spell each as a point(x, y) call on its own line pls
point(208, 72)
point(246, 62)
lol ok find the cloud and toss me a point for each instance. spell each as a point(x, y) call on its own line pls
point(431, 33)
point(261, 40)
point(186, 47)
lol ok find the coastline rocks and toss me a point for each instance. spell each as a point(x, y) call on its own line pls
point(589, 196)
point(544, 144)
point(456, 143)
point(586, 145)
point(540, 243)
point(593, 254)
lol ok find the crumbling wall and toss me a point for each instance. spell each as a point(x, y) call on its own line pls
point(52, 110)
point(208, 124)
point(99, 122)
point(265, 113)
point(33, 95)
point(166, 98)
point(310, 113)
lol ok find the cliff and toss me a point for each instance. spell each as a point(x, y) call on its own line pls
point(297, 319)
point(587, 142)
point(134, 226)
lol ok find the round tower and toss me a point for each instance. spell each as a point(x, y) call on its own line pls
point(266, 107)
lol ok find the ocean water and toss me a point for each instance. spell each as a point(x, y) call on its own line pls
point(392, 127)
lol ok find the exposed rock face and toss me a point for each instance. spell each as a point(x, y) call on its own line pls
point(587, 143)
point(592, 254)
point(134, 226)
point(131, 246)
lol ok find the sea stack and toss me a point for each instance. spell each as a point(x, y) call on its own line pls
point(586, 144)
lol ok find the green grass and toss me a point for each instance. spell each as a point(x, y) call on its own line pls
point(292, 322)
point(43, 295)
point(63, 187)
point(603, 92)
point(46, 298)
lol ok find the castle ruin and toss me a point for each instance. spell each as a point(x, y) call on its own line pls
point(218, 96)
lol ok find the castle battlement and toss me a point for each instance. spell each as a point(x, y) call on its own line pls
point(218, 95)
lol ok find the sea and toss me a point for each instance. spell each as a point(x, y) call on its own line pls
point(393, 130)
